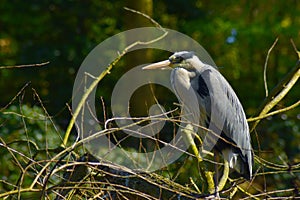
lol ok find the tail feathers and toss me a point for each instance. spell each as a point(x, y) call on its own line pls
point(242, 164)
point(245, 169)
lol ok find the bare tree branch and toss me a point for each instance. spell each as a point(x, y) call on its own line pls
point(252, 119)
point(278, 93)
point(23, 66)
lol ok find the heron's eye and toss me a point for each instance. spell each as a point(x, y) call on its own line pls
point(176, 59)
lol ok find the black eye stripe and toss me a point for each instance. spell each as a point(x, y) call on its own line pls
point(177, 59)
point(180, 56)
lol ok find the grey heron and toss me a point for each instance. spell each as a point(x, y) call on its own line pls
point(212, 90)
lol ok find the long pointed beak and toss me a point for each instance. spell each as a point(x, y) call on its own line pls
point(158, 65)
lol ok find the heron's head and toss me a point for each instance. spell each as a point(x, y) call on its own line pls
point(183, 59)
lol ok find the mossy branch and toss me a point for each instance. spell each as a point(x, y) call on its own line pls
point(277, 94)
point(102, 75)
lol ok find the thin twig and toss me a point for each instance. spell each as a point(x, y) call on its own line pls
point(146, 16)
point(295, 49)
point(243, 190)
point(270, 192)
point(47, 116)
point(22, 190)
point(15, 97)
point(265, 67)
point(23, 66)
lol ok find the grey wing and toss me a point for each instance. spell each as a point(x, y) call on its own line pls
point(227, 119)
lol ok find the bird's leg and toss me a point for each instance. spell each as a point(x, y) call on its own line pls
point(205, 173)
point(189, 139)
point(216, 176)
point(219, 185)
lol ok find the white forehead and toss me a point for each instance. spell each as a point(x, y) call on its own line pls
point(183, 54)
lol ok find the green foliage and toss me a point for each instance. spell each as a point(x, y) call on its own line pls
point(26, 133)
point(28, 123)
point(62, 32)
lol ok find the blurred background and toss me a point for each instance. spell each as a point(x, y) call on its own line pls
point(237, 35)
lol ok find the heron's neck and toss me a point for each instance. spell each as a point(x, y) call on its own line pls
point(197, 63)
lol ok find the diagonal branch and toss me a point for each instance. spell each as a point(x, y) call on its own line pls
point(278, 93)
point(100, 77)
point(252, 119)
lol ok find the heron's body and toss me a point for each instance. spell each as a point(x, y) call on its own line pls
point(220, 109)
